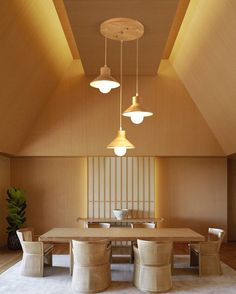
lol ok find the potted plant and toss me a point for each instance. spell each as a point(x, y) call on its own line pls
point(16, 204)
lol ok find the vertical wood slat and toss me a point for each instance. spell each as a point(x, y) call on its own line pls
point(118, 182)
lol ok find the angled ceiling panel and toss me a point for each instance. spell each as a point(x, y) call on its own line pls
point(85, 17)
point(33, 57)
point(204, 56)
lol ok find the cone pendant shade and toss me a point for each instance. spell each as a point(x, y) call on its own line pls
point(120, 144)
point(104, 82)
point(136, 112)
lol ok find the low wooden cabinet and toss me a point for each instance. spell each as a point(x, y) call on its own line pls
point(126, 222)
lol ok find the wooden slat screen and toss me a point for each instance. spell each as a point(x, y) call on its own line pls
point(127, 182)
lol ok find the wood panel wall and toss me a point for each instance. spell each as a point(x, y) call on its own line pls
point(80, 121)
point(56, 190)
point(232, 199)
point(4, 185)
point(192, 192)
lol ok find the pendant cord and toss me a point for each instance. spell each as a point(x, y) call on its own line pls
point(105, 51)
point(137, 68)
point(121, 80)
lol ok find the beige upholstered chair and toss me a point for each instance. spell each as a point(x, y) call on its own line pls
point(152, 266)
point(99, 225)
point(206, 254)
point(92, 225)
point(91, 269)
point(35, 254)
point(139, 226)
point(143, 225)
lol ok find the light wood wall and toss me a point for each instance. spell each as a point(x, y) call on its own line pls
point(79, 121)
point(56, 190)
point(4, 185)
point(204, 58)
point(192, 192)
point(232, 199)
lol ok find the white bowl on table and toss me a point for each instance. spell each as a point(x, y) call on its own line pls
point(120, 213)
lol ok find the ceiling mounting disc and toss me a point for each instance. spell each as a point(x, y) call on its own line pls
point(122, 29)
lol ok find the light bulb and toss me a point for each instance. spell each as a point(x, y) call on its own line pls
point(137, 117)
point(104, 89)
point(120, 151)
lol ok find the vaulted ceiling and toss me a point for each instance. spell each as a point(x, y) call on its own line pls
point(33, 57)
point(39, 40)
point(204, 56)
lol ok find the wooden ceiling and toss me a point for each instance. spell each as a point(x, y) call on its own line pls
point(204, 58)
point(34, 55)
point(81, 21)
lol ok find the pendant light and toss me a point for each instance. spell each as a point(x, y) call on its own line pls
point(120, 144)
point(136, 112)
point(105, 82)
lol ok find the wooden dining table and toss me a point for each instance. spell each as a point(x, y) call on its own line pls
point(65, 235)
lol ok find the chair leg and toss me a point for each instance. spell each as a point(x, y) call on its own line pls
point(48, 258)
point(131, 252)
point(71, 259)
point(194, 258)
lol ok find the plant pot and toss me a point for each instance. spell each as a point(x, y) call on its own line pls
point(13, 242)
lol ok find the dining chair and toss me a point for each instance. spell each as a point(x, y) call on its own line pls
point(99, 225)
point(143, 225)
point(205, 254)
point(35, 254)
point(88, 225)
point(91, 268)
point(139, 226)
point(152, 266)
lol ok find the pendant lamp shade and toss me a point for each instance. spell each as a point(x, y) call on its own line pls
point(136, 112)
point(104, 82)
point(120, 144)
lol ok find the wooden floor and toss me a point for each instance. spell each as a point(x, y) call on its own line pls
point(9, 258)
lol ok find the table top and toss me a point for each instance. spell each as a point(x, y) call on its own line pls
point(65, 235)
point(127, 220)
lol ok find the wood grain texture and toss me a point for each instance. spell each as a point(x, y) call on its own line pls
point(4, 185)
point(193, 192)
point(65, 235)
point(55, 190)
point(33, 57)
point(80, 121)
point(204, 58)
